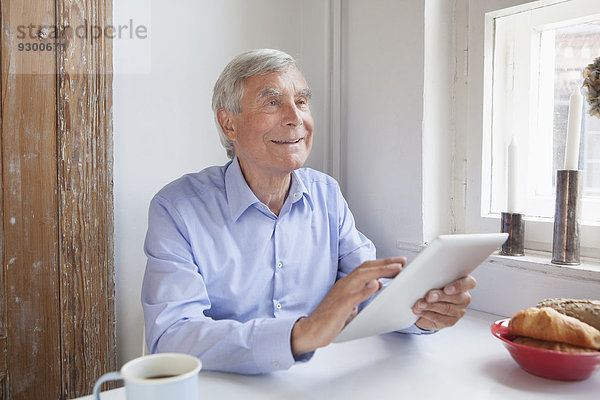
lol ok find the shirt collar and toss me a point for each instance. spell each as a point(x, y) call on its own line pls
point(240, 196)
point(298, 189)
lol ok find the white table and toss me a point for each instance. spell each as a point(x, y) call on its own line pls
point(463, 362)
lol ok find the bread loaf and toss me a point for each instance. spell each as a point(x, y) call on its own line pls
point(587, 311)
point(556, 346)
point(545, 323)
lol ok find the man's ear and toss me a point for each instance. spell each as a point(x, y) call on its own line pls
point(225, 119)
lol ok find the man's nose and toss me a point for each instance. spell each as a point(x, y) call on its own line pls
point(291, 114)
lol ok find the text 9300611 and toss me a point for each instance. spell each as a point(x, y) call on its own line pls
point(34, 46)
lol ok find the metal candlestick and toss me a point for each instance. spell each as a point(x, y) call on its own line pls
point(513, 224)
point(565, 246)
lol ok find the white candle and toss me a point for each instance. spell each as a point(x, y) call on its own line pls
point(573, 130)
point(513, 173)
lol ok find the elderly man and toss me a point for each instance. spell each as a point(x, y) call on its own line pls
point(254, 265)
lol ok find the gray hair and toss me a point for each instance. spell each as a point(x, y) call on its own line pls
point(229, 88)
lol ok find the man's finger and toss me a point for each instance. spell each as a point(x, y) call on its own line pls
point(460, 285)
point(435, 296)
point(443, 309)
point(365, 274)
point(383, 261)
point(434, 321)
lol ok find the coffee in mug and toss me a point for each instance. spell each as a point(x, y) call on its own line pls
point(157, 376)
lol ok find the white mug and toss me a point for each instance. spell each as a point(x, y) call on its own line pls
point(157, 376)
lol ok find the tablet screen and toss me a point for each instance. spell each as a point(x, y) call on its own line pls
point(447, 258)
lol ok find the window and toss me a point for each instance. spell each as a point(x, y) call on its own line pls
point(538, 54)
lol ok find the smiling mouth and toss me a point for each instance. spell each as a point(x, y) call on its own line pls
point(294, 141)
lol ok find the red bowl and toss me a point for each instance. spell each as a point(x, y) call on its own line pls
point(548, 364)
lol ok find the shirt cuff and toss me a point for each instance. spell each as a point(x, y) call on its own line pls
point(272, 347)
point(415, 330)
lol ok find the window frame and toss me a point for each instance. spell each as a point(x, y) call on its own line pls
point(477, 183)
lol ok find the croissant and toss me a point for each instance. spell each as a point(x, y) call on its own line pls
point(556, 346)
point(545, 323)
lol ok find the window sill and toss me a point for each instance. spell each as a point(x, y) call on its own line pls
point(539, 262)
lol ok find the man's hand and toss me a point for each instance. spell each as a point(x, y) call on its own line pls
point(341, 304)
point(443, 308)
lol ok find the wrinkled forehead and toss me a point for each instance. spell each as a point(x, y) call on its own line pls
point(287, 82)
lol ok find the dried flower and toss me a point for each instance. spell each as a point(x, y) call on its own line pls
point(591, 81)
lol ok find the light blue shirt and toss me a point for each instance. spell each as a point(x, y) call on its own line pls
point(227, 279)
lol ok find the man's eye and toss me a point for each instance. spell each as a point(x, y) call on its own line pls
point(272, 103)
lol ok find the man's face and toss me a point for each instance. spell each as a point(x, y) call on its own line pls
point(273, 133)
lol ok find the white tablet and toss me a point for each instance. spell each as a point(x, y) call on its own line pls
point(447, 258)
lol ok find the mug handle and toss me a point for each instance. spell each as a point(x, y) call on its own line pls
point(109, 376)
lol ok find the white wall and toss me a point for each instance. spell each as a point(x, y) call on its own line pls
point(163, 124)
point(382, 81)
point(398, 85)
point(438, 119)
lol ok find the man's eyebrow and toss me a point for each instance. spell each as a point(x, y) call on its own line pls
point(305, 93)
point(273, 92)
point(269, 92)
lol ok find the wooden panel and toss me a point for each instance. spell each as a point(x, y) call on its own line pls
point(3, 367)
point(86, 197)
point(3, 387)
point(4, 350)
point(30, 255)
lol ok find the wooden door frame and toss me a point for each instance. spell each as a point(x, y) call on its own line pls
point(81, 206)
point(85, 154)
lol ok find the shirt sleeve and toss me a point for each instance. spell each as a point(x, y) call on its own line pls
point(174, 298)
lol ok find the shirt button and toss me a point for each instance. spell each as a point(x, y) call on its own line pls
point(278, 306)
point(276, 364)
point(279, 264)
